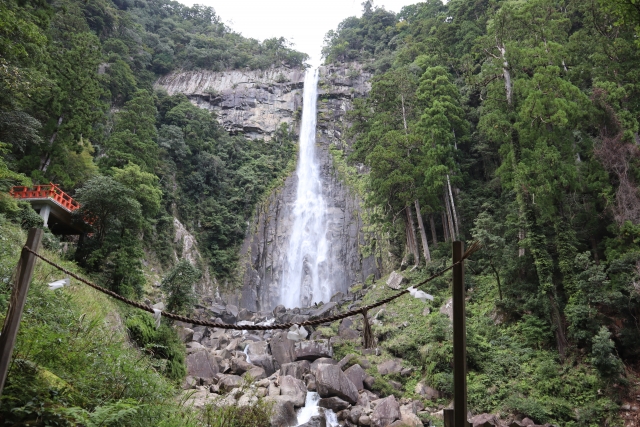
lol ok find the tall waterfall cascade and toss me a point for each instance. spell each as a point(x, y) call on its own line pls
point(306, 277)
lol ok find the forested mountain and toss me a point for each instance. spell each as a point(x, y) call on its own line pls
point(77, 103)
point(514, 123)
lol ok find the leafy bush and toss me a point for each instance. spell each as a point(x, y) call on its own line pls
point(256, 415)
point(161, 343)
point(178, 284)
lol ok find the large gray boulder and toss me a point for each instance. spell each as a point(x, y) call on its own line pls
point(331, 381)
point(283, 414)
point(315, 421)
point(290, 386)
point(390, 367)
point(259, 348)
point(334, 403)
point(229, 382)
point(282, 348)
point(296, 369)
point(386, 411)
point(323, 311)
point(395, 280)
point(267, 362)
point(202, 364)
point(357, 375)
point(312, 350)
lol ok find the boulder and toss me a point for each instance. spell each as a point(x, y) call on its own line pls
point(315, 421)
point(201, 364)
point(296, 369)
point(395, 280)
point(357, 375)
point(283, 414)
point(386, 411)
point(321, 361)
point(390, 367)
point(185, 334)
point(355, 413)
point(427, 392)
point(259, 348)
point(485, 420)
point(229, 382)
point(346, 330)
point(189, 383)
point(282, 348)
point(297, 389)
point(267, 362)
point(312, 350)
point(199, 332)
point(334, 403)
point(408, 417)
point(323, 311)
point(256, 373)
point(368, 382)
point(364, 420)
point(239, 366)
point(331, 381)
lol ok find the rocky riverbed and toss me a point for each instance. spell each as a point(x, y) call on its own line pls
point(308, 385)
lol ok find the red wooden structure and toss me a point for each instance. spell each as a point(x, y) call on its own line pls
point(50, 191)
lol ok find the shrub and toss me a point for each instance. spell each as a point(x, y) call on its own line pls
point(161, 343)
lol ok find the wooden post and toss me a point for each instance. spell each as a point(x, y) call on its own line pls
point(459, 340)
point(447, 414)
point(16, 304)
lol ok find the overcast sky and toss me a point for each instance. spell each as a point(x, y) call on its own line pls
point(303, 22)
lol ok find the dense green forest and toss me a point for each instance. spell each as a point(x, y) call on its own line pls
point(514, 123)
point(77, 105)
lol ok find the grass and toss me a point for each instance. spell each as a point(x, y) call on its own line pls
point(73, 363)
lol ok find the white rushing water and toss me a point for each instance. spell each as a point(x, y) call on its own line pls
point(305, 278)
point(311, 409)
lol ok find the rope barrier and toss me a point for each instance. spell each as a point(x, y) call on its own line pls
point(475, 246)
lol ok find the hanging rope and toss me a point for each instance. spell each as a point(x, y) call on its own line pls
point(475, 246)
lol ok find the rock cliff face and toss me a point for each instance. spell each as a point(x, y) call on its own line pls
point(268, 236)
point(253, 103)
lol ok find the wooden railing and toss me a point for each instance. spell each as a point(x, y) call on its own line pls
point(50, 191)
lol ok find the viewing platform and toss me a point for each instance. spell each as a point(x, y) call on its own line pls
point(52, 204)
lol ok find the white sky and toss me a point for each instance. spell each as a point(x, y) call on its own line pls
point(303, 22)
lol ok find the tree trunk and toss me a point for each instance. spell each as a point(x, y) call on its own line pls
point(520, 238)
point(412, 244)
point(423, 233)
point(45, 159)
point(506, 73)
point(445, 229)
point(434, 237)
point(453, 208)
point(495, 272)
point(450, 226)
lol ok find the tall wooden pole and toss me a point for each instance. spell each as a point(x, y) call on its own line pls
point(459, 340)
point(16, 304)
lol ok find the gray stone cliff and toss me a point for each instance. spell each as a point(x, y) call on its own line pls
point(254, 103)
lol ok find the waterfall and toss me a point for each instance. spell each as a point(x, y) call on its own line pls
point(306, 269)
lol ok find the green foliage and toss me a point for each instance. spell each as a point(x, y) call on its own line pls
point(603, 358)
point(178, 285)
point(257, 415)
point(219, 177)
point(114, 247)
point(72, 362)
point(161, 343)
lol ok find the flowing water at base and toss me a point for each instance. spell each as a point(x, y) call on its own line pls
point(311, 409)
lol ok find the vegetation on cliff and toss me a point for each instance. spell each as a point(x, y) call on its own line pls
point(515, 123)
